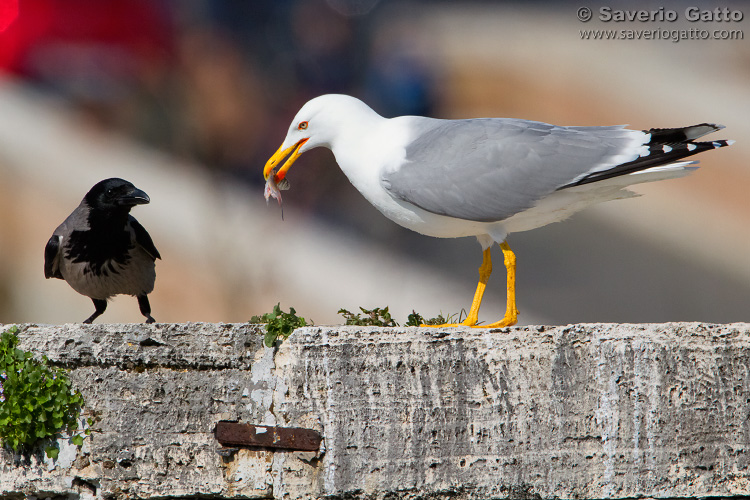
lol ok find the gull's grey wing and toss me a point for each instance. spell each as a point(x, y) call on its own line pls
point(488, 169)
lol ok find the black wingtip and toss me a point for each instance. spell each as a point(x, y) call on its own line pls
point(666, 145)
point(682, 134)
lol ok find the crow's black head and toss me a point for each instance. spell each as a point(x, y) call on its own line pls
point(115, 195)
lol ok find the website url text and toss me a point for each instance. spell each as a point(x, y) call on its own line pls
point(674, 35)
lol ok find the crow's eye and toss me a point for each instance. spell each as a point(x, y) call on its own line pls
point(302, 125)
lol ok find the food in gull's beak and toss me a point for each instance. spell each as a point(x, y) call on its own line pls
point(273, 190)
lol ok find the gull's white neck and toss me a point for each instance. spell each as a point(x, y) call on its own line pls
point(365, 146)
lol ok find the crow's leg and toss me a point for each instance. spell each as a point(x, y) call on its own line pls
point(145, 308)
point(101, 306)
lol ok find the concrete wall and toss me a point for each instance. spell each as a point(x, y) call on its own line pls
point(586, 411)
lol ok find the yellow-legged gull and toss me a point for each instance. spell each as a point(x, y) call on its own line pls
point(483, 177)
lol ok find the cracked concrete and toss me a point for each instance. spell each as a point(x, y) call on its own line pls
point(586, 411)
point(156, 393)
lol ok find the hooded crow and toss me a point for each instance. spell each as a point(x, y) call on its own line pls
point(102, 251)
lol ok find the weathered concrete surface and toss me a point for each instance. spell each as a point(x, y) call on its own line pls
point(584, 411)
point(156, 392)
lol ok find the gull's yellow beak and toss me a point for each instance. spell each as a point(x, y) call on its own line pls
point(278, 156)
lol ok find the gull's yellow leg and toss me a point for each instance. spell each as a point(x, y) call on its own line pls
point(511, 312)
point(484, 274)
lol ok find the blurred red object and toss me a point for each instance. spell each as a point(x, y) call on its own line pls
point(8, 13)
point(37, 32)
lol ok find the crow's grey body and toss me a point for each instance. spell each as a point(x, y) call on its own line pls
point(115, 277)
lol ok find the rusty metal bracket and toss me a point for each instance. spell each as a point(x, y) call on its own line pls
point(264, 436)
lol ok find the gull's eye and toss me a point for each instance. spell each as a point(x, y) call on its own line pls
point(302, 125)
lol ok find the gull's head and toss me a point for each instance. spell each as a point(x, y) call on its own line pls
point(316, 124)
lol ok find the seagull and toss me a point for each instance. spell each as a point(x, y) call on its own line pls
point(102, 251)
point(483, 177)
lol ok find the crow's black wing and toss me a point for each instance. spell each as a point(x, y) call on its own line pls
point(143, 238)
point(51, 258)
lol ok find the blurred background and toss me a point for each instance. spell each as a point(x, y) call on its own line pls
point(187, 99)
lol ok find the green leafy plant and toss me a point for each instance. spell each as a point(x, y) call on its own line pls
point(416, 319)
point(372, 317)
point(279, 324)
point(37, 401)
point(382, 317)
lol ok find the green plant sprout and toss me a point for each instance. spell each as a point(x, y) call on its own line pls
point(382, 317)
point(416, 319)
point(279, 324)
point(37, 401)
point(373, 317)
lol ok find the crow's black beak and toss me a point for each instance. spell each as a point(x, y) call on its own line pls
point(136, 197)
